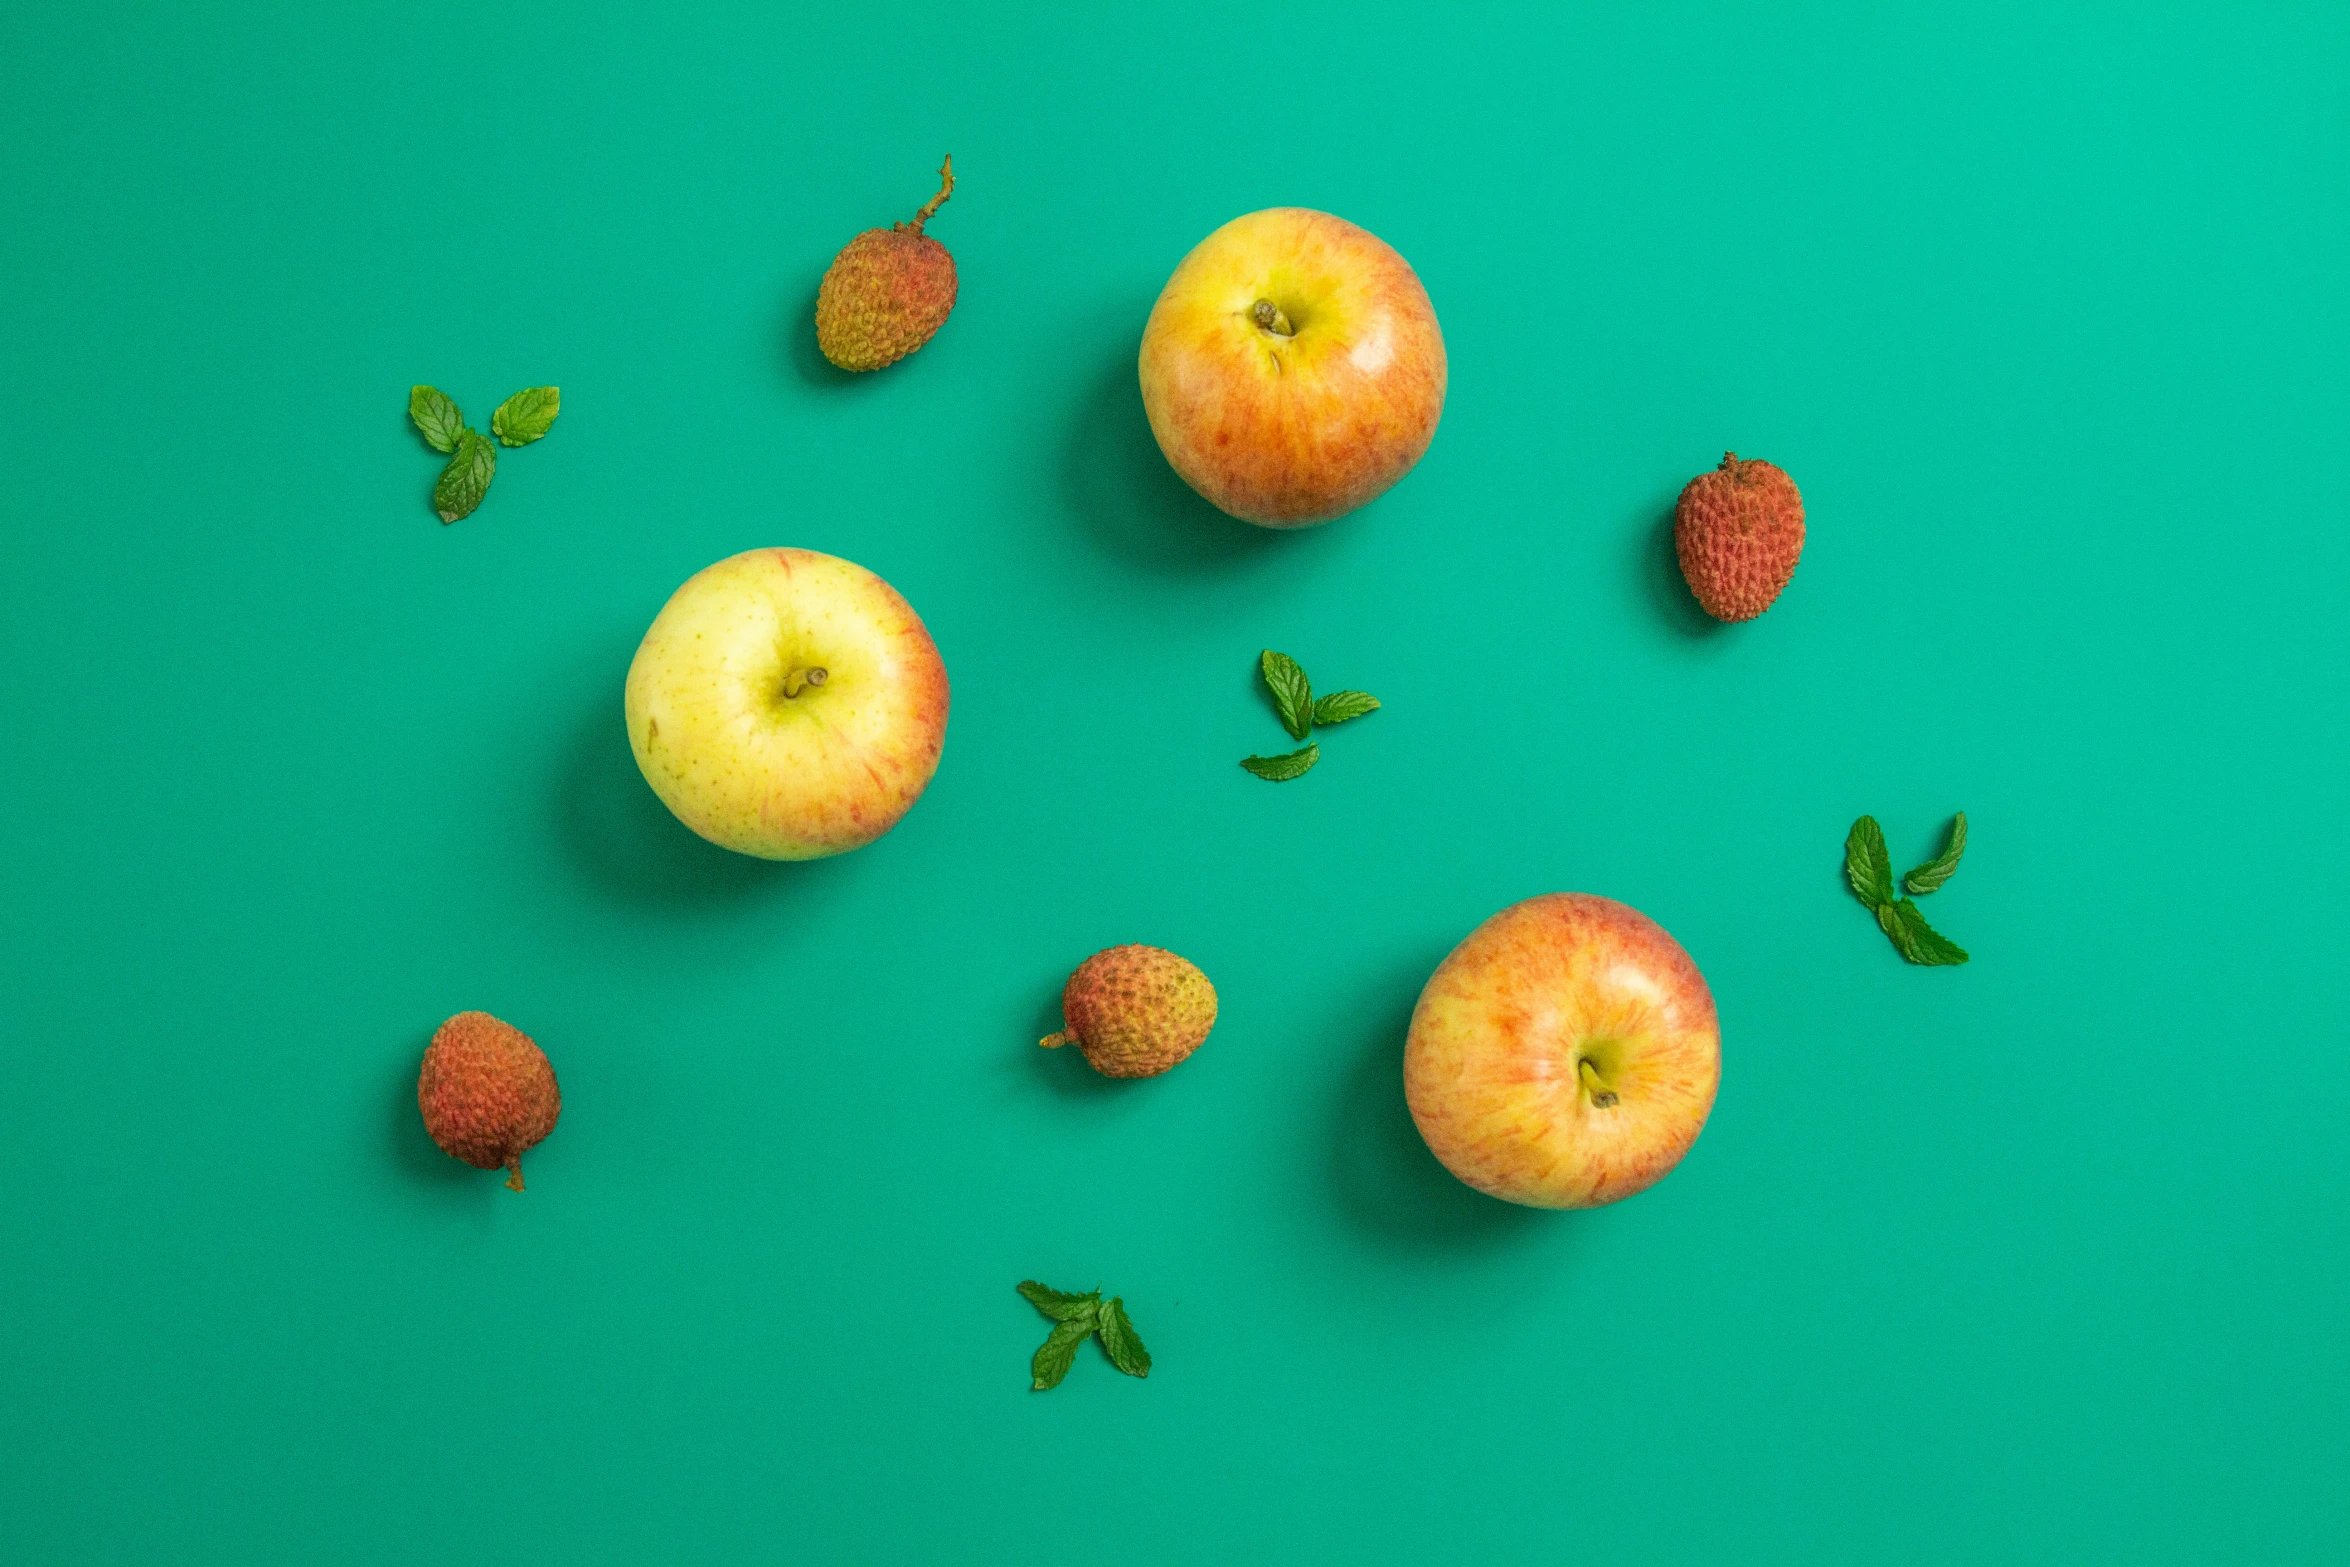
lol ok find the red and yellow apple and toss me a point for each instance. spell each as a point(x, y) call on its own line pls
point(1292, 368)
point(787, 704)
point(1565, 1054)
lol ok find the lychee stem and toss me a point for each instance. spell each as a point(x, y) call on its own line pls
point(514, 1173)
point(946, 173)
point(1602, 1096)
point(1056, 1041)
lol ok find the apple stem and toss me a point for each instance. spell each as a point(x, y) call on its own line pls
point(803, 679)
point(1602, 1096)
point(1268, 315)
point(947, 174)
point(1056, 1041)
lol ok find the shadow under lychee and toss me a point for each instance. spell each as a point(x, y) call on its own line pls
point(413, 1149)
point(795, 337)
point(1660, 573)
point(1387, 1182)
point(1066, 1070)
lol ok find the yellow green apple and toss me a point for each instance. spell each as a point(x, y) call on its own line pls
point(1565, 1055)
point(787, 704)
point(1292, 369)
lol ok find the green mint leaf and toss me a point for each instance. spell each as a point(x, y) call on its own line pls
point(1052, 1358)
point(1914, 938)
point(1280, 769)
point(467, 478)
point(1866, 864)
point(436, 417)
point(1122, 1342)
point(1293, 694)
point(1058, 1304)
point(527, 415)
point(1931, 875)
point(1339, 706)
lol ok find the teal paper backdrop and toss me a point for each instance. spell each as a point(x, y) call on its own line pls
point(2039, 1260)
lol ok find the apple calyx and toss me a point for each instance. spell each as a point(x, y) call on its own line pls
point(1268, 315)
point(800, 680)
point(1602, 1096)
point(946, 174)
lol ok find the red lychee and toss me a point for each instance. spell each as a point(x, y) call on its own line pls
point(1738, 531)
point(1135, 1011)
point(887, 291)
point(487, 1093)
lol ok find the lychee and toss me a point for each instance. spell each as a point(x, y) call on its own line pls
point(1738, 531)
point(487, 1093)
point(887, 291)
point(1135, 1011)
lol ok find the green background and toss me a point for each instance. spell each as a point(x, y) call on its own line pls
point(2039, 1260)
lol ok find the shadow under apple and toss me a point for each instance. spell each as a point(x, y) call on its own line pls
point(1387, 1182)
point(618, 830)
point(1119, 484)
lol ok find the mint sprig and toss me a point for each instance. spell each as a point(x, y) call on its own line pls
point(1931, 875)
point(437, 418)
point(1293, 694)
point(1914, 938)
point(1056, 1304)
point(1057, 1353)
point(473, 460)
point(1121, 1342)
point(467, 478)
point(1281, 769)
point(1866, 864)
point(1075, 1319)
point(1339, 706)
point(527, 415)
point(1870, 871)
point(1300, 712)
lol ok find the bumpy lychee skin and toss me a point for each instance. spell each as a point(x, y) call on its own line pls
point(1738, 531)
point(487, 1093)
point(1135, 1011)
point(887, 292)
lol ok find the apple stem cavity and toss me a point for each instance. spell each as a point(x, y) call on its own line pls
point(1268, 315)
point(1602, 1096)
point(800, 680)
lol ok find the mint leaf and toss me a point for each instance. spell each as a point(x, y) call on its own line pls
point(1339, 706)
point(1866, 864)
point(1052, 1358)
point(1931, 875)
point(1293, 694)
point(1915, 939)
point(1280, 769)
point(527, 415)
point(436, 417)
point(467, 478)
point(1059, 1305)
point(1122, 1343)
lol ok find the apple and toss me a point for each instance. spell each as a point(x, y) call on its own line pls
point(1565, 1054)
point(787, 704)
point(1292, 368)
